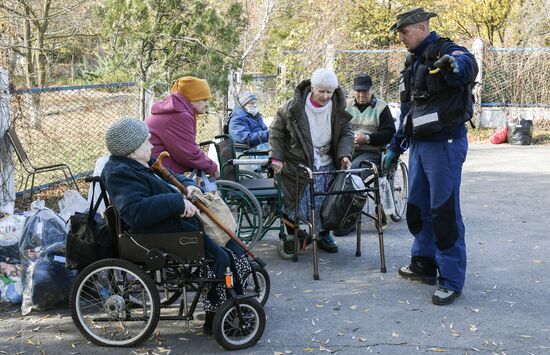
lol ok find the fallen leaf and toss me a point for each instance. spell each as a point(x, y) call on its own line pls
point(394, 334)
point(525, 336)
point(537, 261)
point(308, 291)
point(319, 306)
point(473, 328)
point(438, 350)
point(362, 339)
point(354, 307)
point(317, 331)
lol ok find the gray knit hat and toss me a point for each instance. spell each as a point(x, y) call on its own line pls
point(125, 136)
point(245, 97)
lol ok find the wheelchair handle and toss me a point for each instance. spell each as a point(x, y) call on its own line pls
point(158, 167)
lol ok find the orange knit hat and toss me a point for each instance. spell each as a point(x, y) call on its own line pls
point(194, 89)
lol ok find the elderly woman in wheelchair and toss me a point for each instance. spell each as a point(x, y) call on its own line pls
point(159, 229)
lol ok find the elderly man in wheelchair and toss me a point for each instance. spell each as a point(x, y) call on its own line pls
point(158, 229)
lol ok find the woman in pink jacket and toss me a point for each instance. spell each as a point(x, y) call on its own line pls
point(173, 126)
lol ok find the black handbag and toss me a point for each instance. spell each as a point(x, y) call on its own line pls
point(341, 211)
point(89, 240)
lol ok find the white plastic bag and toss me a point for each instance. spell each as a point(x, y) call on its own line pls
point(11, 229)
point(71, 203)
point(386, 196)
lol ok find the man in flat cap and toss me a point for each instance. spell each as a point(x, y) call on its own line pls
point(436, 101)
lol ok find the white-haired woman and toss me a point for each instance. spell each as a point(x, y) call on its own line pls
point(312, 129)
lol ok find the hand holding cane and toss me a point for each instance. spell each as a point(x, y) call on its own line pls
point(157, 166)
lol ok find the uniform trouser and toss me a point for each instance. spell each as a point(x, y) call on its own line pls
point(433, 208)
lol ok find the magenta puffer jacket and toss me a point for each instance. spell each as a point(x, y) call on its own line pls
point(172, 126)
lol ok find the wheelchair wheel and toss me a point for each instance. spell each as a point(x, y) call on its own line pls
point(234, 332)
point(246, 210)
point(399, 185)
point(264, 283)
point(103, 305)
point(285, 246)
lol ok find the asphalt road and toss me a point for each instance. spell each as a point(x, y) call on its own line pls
point(355, 309)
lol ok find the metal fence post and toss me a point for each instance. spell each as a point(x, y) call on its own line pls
point(330, 56)
point(234, 79)
point(477, 51)
point(7, 169)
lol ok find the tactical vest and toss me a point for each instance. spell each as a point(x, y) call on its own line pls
point(434, 105)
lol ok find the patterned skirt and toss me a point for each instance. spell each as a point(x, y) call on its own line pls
point(320, 184)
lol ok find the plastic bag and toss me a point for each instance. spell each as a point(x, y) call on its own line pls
point(520, 132)
point(500, 135)
point(340, 211)
point(71, 203)
point(46, 282)
point(386, 196)
point(11, 289)
point(11, 229)
point(208, 184)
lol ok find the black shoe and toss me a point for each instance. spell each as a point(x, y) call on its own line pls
point(208, 323)
point(343, 232)
point(328, 244)
point(443, 296)
point(406, 272)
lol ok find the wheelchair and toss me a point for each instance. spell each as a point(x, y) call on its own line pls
point(255, 198)
point(118, 302)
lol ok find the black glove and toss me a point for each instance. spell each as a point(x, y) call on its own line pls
point(447, 63)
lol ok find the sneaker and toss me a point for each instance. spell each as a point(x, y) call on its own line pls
point(344, 232)
point(443, 296)
point(328, 244)
point(406, 272)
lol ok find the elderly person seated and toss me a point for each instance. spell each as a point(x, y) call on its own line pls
point(312, 129)
point(148, 204)
point(246, 124)
point(173, 126)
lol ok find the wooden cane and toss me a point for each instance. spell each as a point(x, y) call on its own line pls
point(158, 167)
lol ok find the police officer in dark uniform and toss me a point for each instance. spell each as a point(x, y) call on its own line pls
point(436, 101)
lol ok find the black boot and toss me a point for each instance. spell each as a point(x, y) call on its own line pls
point(208, 323)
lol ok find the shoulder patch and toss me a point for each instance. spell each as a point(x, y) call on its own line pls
point(455, 53)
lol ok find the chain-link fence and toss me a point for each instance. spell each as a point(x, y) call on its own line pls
point(68, 125)
point(514, 80)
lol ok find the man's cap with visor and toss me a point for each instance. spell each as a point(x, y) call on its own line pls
point(362, 82)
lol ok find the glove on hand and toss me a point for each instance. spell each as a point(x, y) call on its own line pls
point(389, 158)
point(447, 63)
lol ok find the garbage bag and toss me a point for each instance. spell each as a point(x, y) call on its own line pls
point(520, 132)
point(500, 135)
point(340, 211)
point(46, 282)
